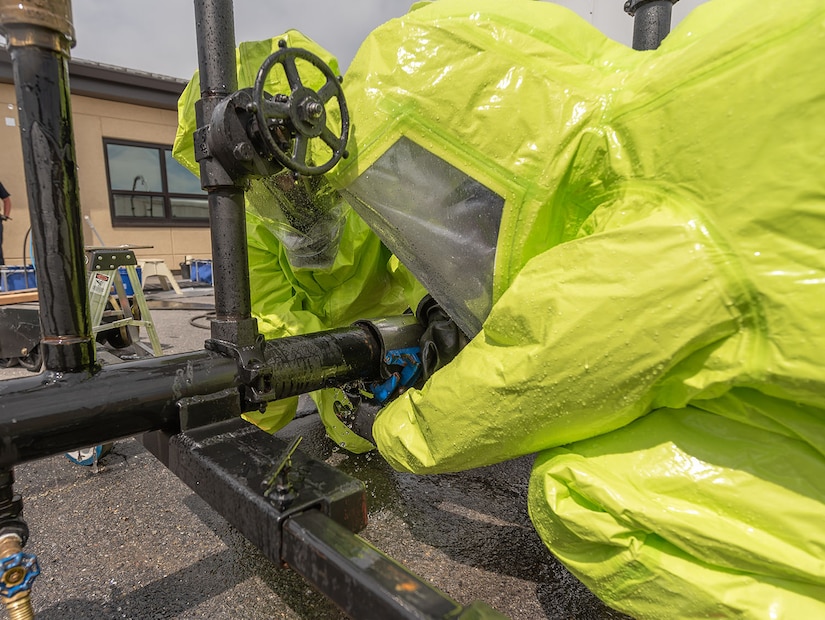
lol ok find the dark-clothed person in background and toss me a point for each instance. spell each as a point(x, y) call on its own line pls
point(6, 198)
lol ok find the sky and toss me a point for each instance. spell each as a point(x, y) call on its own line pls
point(158, 36)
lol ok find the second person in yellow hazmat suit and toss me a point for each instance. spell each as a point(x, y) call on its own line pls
point(305, 276)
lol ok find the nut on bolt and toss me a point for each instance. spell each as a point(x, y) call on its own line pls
point(243, 151)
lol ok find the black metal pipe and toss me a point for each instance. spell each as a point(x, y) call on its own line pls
point(215, 29)
point(651, 22)
point(53, 413)
point(42, 85)
point(230, 260)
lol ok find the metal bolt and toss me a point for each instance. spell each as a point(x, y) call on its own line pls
point(243, 151)
point(314, 110)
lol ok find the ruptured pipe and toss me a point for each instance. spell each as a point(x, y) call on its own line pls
point(40, 34)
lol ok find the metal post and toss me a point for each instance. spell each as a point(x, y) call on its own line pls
point(651, 21)
point(215, 24)
point(40, 34)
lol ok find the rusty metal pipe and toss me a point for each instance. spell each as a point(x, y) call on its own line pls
point(42, 23)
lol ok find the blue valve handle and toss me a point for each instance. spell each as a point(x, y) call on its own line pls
point(409, 361)
point(26, 561)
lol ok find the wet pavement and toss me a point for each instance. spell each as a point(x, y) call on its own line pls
point(132, 541)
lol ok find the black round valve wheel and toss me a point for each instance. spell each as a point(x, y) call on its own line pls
point(303, 112)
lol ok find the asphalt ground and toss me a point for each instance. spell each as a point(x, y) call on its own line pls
point(130, 540)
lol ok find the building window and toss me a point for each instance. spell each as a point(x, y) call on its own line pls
point(147, 187)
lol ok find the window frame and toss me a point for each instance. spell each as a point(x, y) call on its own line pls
point(167, 221)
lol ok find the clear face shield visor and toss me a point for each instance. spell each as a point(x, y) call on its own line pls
point(441, 223)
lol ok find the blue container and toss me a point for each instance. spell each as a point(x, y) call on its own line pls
point(201, 271)
point(124, 276)
point(15, 278)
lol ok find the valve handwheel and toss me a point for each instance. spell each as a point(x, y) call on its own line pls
point(303, 111)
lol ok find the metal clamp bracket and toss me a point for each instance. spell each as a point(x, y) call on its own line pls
point(253, 371)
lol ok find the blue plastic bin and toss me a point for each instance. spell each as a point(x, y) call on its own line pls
point(17, 277)
point(124, 276)
point(201, 271)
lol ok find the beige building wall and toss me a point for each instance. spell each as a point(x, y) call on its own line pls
point(94, 120)
point(13, 177)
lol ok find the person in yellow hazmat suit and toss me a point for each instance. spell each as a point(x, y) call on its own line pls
point(314, 264)
point(635, 244)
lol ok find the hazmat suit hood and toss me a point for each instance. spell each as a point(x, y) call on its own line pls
point(467, 115)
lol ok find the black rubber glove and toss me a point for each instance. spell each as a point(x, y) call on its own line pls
point(357, 412)
point(442, 339)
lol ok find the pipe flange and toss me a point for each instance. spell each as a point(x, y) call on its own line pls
point(45, 23)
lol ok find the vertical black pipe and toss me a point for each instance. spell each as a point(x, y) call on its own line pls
point(215, 27)
point(39, 38)
point(651, 22)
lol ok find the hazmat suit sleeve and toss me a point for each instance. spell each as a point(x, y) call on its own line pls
point(591, 335)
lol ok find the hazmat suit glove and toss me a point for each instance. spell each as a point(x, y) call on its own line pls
point(357, 412)
point(441, 341)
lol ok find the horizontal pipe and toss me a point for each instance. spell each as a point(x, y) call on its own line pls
point(53, 413)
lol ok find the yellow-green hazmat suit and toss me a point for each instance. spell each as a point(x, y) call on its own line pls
point(653, 319)
point(361, 279)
